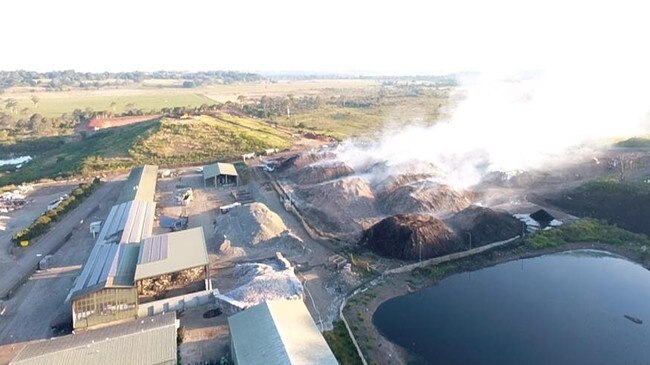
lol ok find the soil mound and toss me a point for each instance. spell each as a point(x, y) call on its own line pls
point(485, 225)
point(624, 204)
point(411, 236)
point(251, 224)
point(321, 172)
point(415, 194)
point(304, 159)
point(337, 207)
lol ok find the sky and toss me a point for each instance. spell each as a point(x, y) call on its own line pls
point(368, 37)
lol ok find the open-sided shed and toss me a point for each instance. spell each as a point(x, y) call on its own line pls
point(220, 174)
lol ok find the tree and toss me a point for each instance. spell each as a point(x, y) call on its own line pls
point(622, 164)
point(11, 104)
point(35, 100)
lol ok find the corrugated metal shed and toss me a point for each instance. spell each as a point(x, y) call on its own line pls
point(171, 252)
point(217, 169)
point(146, 341)
point(278, 332)
point(140, 185)
point(108, 266)
point(128, 222)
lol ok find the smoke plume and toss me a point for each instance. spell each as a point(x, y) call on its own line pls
point(512, 124)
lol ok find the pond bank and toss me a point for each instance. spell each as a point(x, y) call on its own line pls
point(360, 308)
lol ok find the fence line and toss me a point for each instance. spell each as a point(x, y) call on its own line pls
point(450, 257)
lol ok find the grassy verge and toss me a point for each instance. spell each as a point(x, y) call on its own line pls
point(585, 230)
point(341, 344)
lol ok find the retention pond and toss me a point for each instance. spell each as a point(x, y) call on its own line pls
point(577, 307)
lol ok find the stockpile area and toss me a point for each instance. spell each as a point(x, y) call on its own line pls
point(411, 236)
point(418, 194)
point(251, 225)
point(625, 204)
point(258, 282)
point(485, 225)
point(321, 172)
point(338, 207)
point(341, 202)
point(421, 236)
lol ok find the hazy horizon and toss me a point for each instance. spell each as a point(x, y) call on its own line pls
point(323, 38)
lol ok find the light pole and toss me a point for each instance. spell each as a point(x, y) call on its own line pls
point(470, 239)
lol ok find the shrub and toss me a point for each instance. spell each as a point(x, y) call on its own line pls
point(42, 224)
point(585, 230)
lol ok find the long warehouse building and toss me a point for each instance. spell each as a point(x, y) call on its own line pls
point(127, 256)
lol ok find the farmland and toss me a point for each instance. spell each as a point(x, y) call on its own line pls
point(55, 104)
point(158, 94)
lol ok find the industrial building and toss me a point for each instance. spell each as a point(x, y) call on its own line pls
point(128, 265)
point(140, 185)
point(150, 341)
point(277, 332)
point(220, 174)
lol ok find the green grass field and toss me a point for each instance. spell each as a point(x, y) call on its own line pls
point(55, 106)
point(340, 122)
point(168, 142)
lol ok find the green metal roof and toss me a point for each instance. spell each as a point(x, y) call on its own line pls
point(140, 185)
point(217, 169)
point(171, 252)
point(146, 341)
point(278, 332)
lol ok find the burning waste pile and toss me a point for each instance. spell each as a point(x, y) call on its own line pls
point(414, 188)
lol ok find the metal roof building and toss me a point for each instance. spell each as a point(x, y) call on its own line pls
point(171, 252)
point(221, 173)
point(278, 332)
point(108, 266)
point(149, 341)
point(128, 222)
point(140, 185)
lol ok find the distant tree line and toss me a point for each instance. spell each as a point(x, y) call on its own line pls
point(58, 80)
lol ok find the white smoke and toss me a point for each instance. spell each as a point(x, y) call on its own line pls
point(507, 124)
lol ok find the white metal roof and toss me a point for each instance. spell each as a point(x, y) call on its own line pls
point(219, 168)
point(171, 252)
point(128, 222)
point(278, 332)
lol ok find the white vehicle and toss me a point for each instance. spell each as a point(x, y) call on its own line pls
point(226, 208)
point(56, 203)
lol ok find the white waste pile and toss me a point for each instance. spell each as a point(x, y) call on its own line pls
point(533, 225)
point(257, 282)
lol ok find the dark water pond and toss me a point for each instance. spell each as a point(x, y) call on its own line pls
point(566, 308)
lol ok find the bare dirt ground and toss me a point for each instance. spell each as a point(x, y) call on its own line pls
point(208, 339)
